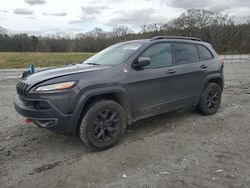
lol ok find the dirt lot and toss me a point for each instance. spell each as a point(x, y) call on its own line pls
point(181, 149)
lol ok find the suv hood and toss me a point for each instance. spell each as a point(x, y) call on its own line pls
point(62, 71)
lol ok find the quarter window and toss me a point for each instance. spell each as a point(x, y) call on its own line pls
point(186, 53)
point(159, 54)
point(205, 54)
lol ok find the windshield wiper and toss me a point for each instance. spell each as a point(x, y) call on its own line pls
point(92, 64)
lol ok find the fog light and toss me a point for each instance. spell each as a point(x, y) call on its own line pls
point(41, 105)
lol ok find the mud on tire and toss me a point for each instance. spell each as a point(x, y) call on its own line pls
point(210, 99)
point(102, 125)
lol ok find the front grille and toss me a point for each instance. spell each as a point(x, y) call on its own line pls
point(22, 89)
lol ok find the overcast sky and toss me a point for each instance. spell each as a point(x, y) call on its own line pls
point(74, 16)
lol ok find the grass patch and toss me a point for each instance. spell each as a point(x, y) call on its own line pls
point(23, 60)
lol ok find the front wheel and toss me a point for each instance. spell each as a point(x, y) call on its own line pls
point(102, 125)
point(210, 99)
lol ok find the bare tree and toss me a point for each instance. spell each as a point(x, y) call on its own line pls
point(3, 30)
point(222, 31)
point(121, 30)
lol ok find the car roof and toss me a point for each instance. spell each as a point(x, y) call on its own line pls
point(176, 37)
point(191, 40)
point(169, 38)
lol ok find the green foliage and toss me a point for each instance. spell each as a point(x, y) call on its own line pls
point(23, 60)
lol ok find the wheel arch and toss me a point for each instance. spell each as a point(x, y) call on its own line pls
point(216, 78)
point(116, 93)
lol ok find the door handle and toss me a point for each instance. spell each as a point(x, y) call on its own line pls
point(171, 71)
point(203, 66)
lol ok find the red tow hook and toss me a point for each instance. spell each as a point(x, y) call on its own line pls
point(28, 121)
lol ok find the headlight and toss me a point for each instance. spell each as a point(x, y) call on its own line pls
point(58, 86)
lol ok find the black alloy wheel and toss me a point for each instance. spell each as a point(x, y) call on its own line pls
point(210, 99)
point(213, 98)
point(103, 125)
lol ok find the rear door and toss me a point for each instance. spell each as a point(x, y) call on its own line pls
point(189, 72)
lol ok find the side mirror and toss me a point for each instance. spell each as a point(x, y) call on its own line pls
point(141, 62)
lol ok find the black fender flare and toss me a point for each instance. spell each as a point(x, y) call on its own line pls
point(210, 77)
point(119, 90)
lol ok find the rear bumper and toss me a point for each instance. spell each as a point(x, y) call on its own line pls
point(51, 118)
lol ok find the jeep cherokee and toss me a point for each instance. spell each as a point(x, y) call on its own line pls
point(122, 84)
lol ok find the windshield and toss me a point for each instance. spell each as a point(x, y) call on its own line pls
point(114, 55)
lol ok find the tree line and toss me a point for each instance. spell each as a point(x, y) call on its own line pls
point(226, 34)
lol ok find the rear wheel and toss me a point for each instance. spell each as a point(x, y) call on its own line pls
point(210, 99)
point(102, 125)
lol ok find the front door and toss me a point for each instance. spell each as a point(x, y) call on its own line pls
point(151, 87)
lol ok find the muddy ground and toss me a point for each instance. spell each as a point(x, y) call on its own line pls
point(182, 149)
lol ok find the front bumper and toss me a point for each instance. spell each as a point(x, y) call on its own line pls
point(51, 118)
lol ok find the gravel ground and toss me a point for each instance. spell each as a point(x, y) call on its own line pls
point(181, 149)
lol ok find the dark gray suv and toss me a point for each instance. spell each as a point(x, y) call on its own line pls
point(122, 84)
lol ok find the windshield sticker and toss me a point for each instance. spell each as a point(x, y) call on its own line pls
point(132, 47)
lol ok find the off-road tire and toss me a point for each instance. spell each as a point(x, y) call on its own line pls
point(206, 100)
point(92, 116)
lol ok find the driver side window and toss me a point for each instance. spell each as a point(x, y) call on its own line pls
point(160, 55)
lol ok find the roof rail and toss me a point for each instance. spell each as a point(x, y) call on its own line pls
point(175, 37)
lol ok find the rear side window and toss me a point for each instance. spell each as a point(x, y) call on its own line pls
point(186, 53)
point(205, 54)
point(159, 54)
